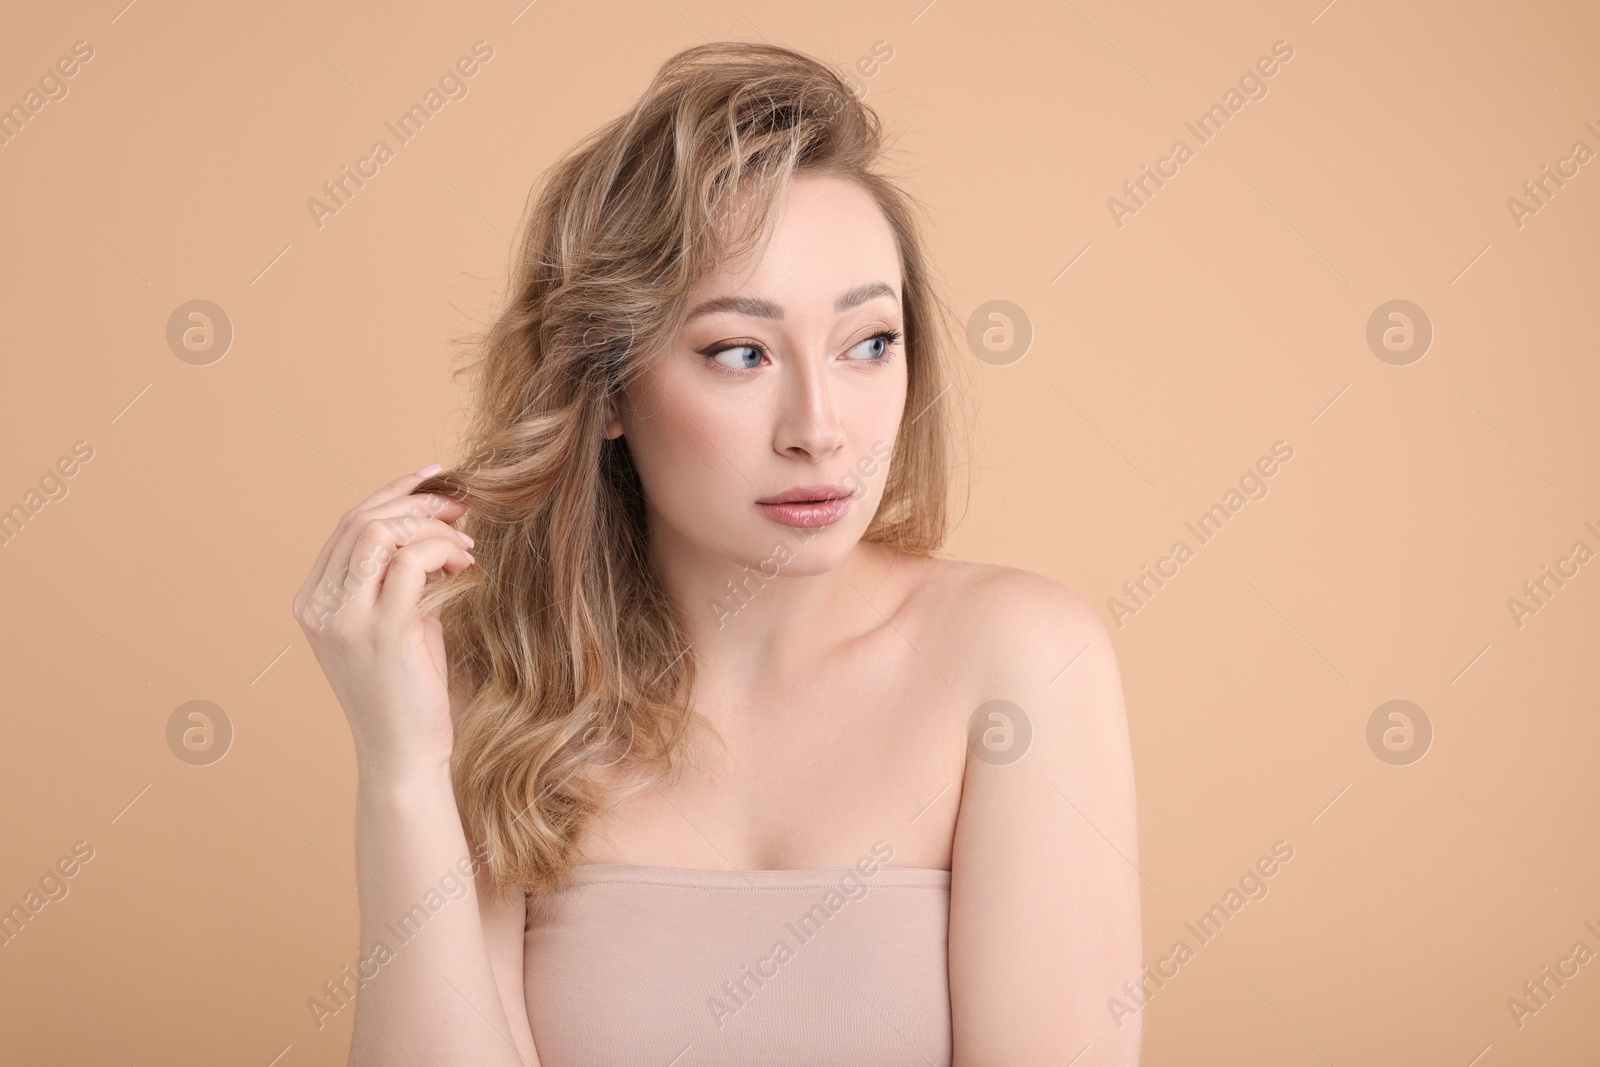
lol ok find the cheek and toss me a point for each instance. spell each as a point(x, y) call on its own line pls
point(877, 417)
point(686, 447)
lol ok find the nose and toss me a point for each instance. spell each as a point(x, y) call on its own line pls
point(808, 427)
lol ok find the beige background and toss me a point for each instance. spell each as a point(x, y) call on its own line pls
point(1229, 313)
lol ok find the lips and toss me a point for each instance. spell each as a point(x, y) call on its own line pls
point(806, 494)
point(807, 506)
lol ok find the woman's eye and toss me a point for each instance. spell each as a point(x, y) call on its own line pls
point(877, 346)
point(739, 357)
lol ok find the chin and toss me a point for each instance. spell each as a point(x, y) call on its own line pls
point(794, 551)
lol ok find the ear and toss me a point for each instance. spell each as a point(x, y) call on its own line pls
point(613, 420)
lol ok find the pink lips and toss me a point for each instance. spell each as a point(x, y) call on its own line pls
point(807, 505)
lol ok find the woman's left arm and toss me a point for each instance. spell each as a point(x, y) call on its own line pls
point(1044, 894)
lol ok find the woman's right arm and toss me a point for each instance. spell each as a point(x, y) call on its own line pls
point(453, 991)
point(440, 956)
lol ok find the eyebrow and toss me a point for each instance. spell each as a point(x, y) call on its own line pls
point(766, 309)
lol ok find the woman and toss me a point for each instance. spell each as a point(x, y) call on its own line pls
point(754, 777)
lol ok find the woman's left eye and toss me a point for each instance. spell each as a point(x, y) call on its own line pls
point(885, 339)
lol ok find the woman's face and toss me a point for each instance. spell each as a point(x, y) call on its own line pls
point(788, 372)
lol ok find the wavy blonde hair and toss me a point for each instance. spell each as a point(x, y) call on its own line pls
point(564, 652)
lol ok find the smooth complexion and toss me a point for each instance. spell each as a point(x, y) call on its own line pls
point(844, 688)
point(783, 375)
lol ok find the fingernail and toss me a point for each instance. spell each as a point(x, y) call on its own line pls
point(467, 538)
point(471, 558)
point(432, 468)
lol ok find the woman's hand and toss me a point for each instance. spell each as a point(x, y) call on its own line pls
point(358, 608)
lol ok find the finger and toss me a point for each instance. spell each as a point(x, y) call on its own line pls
point(376, 542)
point(332, 587)
point(397, 489)
point(400, 486)
point(409, 510)
point(408, 573)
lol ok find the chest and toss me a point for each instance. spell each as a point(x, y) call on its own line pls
point(815, 770)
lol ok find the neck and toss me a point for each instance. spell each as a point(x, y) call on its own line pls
point(785, 609)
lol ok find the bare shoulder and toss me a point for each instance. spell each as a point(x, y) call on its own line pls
point(1017, 622)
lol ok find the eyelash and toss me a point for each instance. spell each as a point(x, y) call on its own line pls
point(890, 339)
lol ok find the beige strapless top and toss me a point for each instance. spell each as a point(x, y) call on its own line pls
point(678, 967)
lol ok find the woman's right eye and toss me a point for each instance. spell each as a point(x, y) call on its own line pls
point(737, 357)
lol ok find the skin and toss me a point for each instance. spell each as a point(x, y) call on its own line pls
point(844, 689)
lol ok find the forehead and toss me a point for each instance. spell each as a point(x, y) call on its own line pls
point(829, 242)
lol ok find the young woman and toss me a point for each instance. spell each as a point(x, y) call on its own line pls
point(733, 767)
